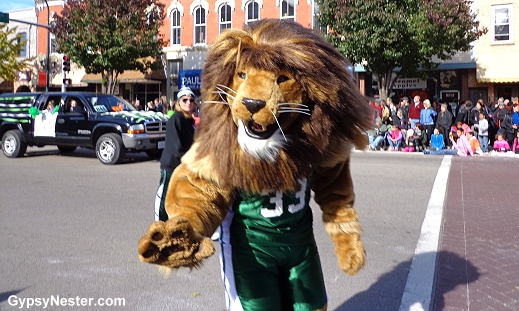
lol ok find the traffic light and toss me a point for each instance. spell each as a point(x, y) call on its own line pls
point(66, 63)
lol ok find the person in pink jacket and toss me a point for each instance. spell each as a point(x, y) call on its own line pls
point(394, 138)
point(501, 145)
point(462, 144)
point(515, 146)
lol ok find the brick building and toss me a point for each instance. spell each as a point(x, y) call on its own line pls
point(488, 71)
point(190, 25)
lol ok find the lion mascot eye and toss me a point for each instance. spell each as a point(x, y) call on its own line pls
point(282, 79)
point(242, 75)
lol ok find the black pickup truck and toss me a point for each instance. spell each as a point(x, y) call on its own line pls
point(102, 122)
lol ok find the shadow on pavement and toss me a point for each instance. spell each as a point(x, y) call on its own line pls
point(381, 295)
point(5, 295)
point(130, 157)
point(454, 271)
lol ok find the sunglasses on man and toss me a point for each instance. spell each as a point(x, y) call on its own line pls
point(185, 100)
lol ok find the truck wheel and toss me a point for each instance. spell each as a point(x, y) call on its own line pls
point(13, 144)
point(66, 149)
point(110, 148)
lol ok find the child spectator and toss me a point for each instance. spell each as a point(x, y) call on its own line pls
point(394, 138)
point(422, 140)
point(501, 145)
point(515, 146)
point(474, 143)
point(437, 141)
point(410, 141)
point(482, 127)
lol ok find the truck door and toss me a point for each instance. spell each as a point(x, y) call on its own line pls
point(71, 124)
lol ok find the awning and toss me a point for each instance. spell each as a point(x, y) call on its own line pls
point(498, 80)
point(130, 76)
point(443, 66)
point(493, 69)
point(454, 66)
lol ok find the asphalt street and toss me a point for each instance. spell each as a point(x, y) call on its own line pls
point(70, 226)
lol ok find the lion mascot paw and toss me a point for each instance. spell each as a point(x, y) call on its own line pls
point(280, 116)
point(174, 243)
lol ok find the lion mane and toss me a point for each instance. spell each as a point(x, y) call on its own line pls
point(337, 110)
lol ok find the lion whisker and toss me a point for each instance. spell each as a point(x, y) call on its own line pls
point(223, 93)
point(280, 129)
point(294, 111)
point(225, 87)
point(216, 102)
point(293, 104)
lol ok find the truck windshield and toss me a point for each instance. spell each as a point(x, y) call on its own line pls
point(109, 103)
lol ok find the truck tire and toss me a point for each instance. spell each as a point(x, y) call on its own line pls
point(110, 148)
point(13, 144)
point(66, 149)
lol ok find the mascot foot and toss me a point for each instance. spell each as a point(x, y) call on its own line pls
point(174, 243)
point(350, 252)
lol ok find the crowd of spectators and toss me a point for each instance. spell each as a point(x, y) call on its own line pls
point(437, 128)
point(162, 106)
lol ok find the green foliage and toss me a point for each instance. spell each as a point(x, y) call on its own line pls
point(10, 47)
point(111, 36)
point(386, 34)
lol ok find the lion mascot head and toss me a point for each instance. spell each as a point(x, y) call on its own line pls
point(276, 96)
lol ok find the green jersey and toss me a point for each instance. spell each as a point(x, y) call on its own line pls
point(273, 218)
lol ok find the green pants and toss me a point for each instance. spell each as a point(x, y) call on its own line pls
point(274, 278)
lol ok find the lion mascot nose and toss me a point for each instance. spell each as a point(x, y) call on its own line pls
point(253, 105)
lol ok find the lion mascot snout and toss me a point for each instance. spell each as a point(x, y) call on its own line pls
point(280, 115)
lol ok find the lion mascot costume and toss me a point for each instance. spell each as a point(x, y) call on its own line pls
point(280, 115)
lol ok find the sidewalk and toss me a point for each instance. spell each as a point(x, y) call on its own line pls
point(478, 264)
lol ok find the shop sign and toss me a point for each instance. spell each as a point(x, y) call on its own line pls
point(190, 78)
point(410, 83)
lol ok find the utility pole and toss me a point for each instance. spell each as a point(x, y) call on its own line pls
point(47, 82)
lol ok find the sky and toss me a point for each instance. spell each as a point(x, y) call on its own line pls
point(8, 5)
